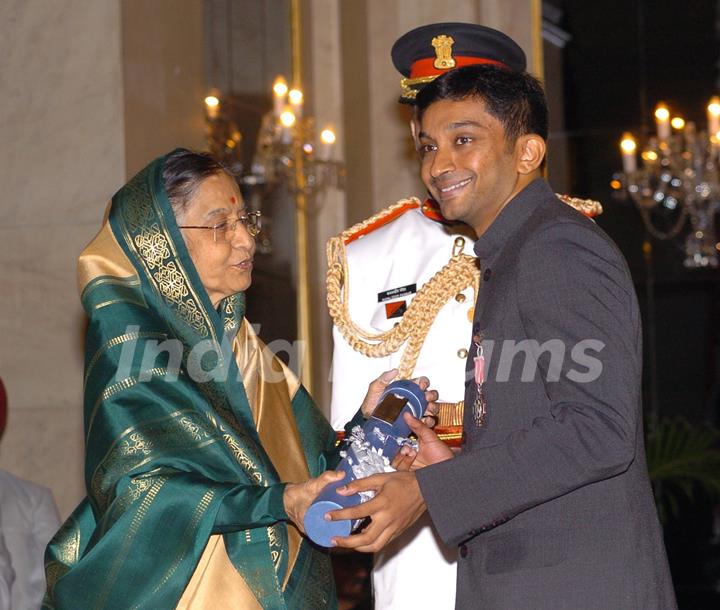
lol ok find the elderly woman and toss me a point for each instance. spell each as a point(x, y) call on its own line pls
point(193, 429)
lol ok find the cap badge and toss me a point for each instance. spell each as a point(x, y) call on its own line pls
point(443, 52)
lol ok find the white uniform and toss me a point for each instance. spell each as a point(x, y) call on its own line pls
point(384, 268)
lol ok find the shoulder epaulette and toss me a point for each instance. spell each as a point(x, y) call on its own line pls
point(589, 207)
point(380, 219)
point(431, 210)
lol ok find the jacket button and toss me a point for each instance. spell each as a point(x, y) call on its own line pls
point(460, 297)
point(462, 353)
point(487, 274)
point(463, 551)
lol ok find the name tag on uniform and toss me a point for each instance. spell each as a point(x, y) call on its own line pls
point(396, 293)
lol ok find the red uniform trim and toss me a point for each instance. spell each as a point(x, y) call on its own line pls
point(426, 67)
point(410, 205)
point(431, 209)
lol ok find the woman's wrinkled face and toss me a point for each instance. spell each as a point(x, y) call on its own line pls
point(224, 257)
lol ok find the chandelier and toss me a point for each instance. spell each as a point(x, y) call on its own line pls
point(678, 177)
point(290, 151)
point(289, 154)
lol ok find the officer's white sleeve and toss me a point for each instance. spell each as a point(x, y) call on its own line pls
point(351, 375)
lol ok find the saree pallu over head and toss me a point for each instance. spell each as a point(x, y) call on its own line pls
point(191, 426)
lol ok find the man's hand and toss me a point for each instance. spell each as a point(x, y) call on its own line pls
point(377, 387)
point(298, 497)
point(397, 504)
point(431, 449)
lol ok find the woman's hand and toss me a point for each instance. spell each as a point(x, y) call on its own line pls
point(378, 386)
point(375, 390)
point(298, 497)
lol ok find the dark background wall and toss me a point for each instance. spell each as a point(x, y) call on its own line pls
point(624, 56)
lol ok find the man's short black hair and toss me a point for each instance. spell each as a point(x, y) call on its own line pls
point(516, 99)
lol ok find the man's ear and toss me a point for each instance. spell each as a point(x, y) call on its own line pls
point(530, 150)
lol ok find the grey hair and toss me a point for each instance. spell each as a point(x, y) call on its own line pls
point(183, 172)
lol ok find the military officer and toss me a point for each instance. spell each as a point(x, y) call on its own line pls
point(401, 291)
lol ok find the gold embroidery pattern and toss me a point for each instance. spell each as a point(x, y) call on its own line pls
point(125, 282)
point(194, 430)
point(276, 547)
point(230, 323)
point(67, 549)
point(151, 246)
point(243, 458)
point(116, 301)
point(137, 445)
point(138, 487)
point(130, 538)
point(54, 570)
point(171, 283)
point(114, 342)
point(317, 579)
point(218, 402)
point(187, 536)
point(134, 449)
point(114, 388)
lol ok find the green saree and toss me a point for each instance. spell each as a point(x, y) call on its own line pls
point(177, 456)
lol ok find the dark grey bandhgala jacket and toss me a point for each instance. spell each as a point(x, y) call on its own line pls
point(550, 500)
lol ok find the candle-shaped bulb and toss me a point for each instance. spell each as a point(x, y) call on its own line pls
point(628, 143)
point(662, 122)
point(713, 116)
point(327, 136)
point(280, 87)
point(327, 139)
point(649, 156)
point(280, 90)
point(295, 97)
point(287, 118)
point(662, 113)
point(212, 106)
point(677, 123)
point(714, 106)
point(628, 146)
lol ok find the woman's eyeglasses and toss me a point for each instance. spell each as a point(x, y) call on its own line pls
point(223, 231)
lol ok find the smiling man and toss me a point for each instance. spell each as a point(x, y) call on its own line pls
point(549, 500)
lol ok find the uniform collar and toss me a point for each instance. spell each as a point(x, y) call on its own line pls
point(511, 218)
